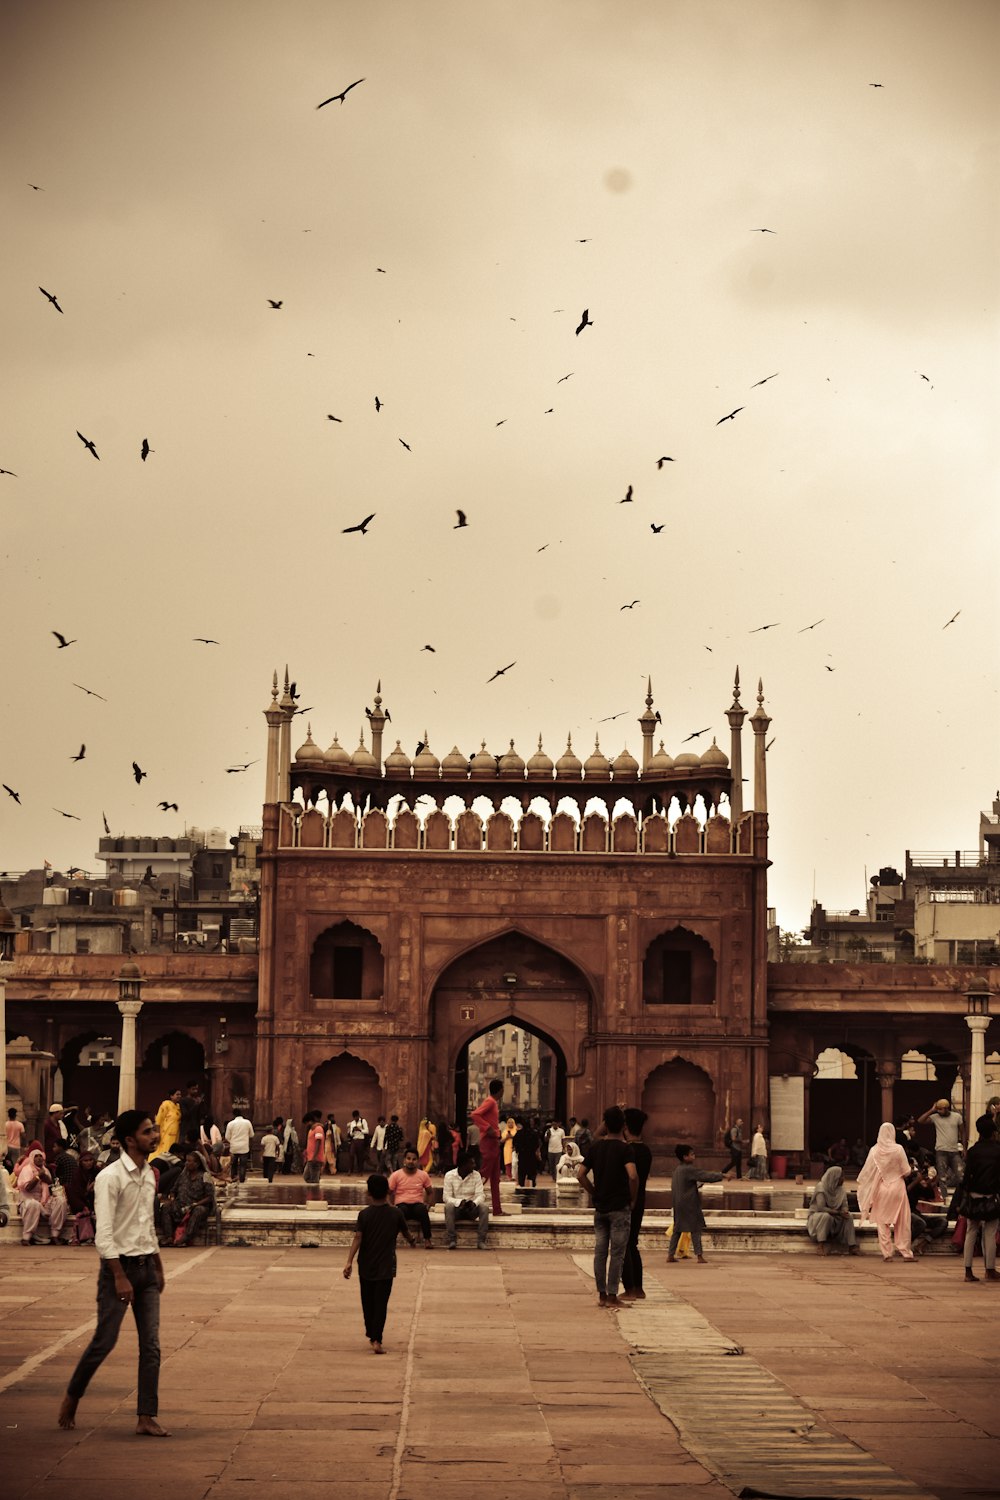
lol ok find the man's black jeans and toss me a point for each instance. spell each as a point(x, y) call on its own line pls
point(110, 1312)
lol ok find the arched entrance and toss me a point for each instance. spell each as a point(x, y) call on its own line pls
point(679, 1099)
point(523, 1011)
point(345, 1083)
point(844, 1099)
point(530, 1064)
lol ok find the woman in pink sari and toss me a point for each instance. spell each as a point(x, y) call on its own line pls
point(37, 1201)
point(882, 1193)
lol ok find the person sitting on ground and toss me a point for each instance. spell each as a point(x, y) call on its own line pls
point(465, 1198)
point(830, 1222)
point(412, 1191)
point(922, 1189)
point(839, 1154)
point(686, 1200)
point(190, 1204)
point(80, 1198)
point(569, 1163)
point(34, 1184)
point(374, 1243)
point(981, 1197)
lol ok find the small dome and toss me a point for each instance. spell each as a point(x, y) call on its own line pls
point(483, 765)
point(540, 764)
point(597, 767)
point(686, 761)
point(397, 762)
point(569, 766)
point(715, 759)
point(455, 765)
point(426, 763)
point(660, 764)
point(625, 766)
point(309, 754)
point(511, 765)
point(363, 760)
point(337, 755)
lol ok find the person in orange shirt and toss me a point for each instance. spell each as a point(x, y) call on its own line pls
point(487, 1117)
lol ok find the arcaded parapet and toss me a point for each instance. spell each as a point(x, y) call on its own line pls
point(405, 830)
point(468, 832)
point(562, 834)
point(687, 835)
point(437, 831)
point(718, 836)
point(594, 834)
point(375, 830)
point(500, 833)
point(625, 835)
point(531, 834)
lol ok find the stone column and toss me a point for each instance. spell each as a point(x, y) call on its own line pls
point(977, 1075)
point(126, 1075)
point(760, 723)
point(886, 1073)
point(275, 717)
point(4, 968)
point(736, 714)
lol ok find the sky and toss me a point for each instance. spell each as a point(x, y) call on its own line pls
point(433, 241)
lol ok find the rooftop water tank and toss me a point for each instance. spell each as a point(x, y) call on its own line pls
point(55, 895)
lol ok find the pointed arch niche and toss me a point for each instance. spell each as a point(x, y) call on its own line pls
point(346, 964)
point(679, 969)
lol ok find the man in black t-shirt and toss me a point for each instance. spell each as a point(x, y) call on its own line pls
point(635, 1120)
point(609, 1176)
point(378, 1228)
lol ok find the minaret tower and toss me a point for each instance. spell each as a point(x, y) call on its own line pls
point(287, 706)
point(736, 714)
point(761, 724)
point(647, 724)
point(275, 716)
point(376, 720)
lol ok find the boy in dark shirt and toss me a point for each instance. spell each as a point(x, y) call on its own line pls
point(374, 1244)
point(635, 1119)
point(609, 1178)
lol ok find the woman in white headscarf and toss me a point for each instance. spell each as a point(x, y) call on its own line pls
point(882, 1193)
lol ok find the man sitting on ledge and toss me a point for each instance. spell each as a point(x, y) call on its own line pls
point(465, 1198)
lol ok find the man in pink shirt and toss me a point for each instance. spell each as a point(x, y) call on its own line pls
point(15, 1135)
point(412, 1192)
point(315, 1147)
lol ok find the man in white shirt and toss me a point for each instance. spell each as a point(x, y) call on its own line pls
point(131, 1273)
point(465, 1198)
point(378, 1146)
point(357, 1140)
point(554, 1147)
point(239, 1134)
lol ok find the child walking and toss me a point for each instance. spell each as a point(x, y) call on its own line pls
point(374, 1244)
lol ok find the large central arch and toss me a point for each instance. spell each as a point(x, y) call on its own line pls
point(516, 982)
point(533, 1084)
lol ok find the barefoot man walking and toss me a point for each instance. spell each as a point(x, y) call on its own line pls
point(131, 1273)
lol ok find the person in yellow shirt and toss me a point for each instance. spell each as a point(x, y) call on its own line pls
point(168, 1120)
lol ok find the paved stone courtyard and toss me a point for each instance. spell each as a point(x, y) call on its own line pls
point(503, 1377)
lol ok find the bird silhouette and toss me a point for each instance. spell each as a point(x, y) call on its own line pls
point(925, 377)
point(138, 773)
point(810, 627)
point(89, 691)
point(342, 95)
point(770, 742)
point(829, 669)
point(876, 85)
point(697, 734)
point(765, 380)
point(729, 417)
point(584, 321)
point(83, 751)
point(145, 450)
point(461, 520)
point(378, 404)
point(88, 444)
point(627, 497)
point(952, 620)
point(235, 770)
point(758, 628)
point(205, 640)
point(500, 671)
point(664, 460)
point(420, 749)
point(63, 642)
point(656, 529)
point(11, 792)
point(51, 298)
point(565, 377)
point(381, 270)
point(10, 472)
point(764, 231)
point(610, 719)
point(362, 526)
point(62, 814)
point(36, 187)
point(168, 807)
point(406, 446)
point(104, 820)
point(271, 303)
point(629, 606)
point(429, 648)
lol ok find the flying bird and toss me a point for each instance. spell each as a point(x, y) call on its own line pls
point(51, 298)
point(63, 642)
point(362, 526)
point(406, 446)
point(432, 649)
point(810, 627)
point(62, 814)
point(331, 418)
point(765, 380)
point(584, 321)
point(829, 669)
point(342, 95)
point(88, 444)
point(145, 450)
point(952, 620)
point(629, 606)
point(728, 417)
point(627, 497)
point(758, 628)
point(271, 303)
point(378, 404)
point(138, 773)
point(763, 231)
point(500, 671)
point(664, 460)
point(876, 85)
point(168, 807)
point(770, 742)
point(10, 472)
point(924, 377)
point(381, 270)
point(656, 529)
point(461, 520)
point(234, 770)
point(565, 377)
point(697, 734)
point(11, 792)
point(36, 187)
point(104, 820)
point(205, 640)
point(89, 691)
point(612, 717)
point(83, 751)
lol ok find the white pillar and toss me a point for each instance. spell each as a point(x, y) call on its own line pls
point(126, 1076)
point(3, 1035)
point(977, 1076)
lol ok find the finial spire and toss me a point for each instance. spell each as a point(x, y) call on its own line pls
point(736, 687)
point(274, 686)
point(760, 692)
point(649, 692)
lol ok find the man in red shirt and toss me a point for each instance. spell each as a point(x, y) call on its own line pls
point(487, 1117)
point(315, 1147)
